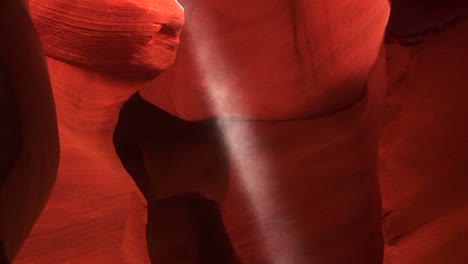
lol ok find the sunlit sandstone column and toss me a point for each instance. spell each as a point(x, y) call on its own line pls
point(276, 159)
point(28, 136)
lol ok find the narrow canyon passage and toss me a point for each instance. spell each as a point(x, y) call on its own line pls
point(223, 175)
point(423, 190)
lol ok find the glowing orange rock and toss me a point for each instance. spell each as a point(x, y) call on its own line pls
point(223, 190)
point(297, 186)
point(99, 53)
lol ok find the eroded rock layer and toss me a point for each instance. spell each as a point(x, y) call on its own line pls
point(96, 61)
point(122, 38)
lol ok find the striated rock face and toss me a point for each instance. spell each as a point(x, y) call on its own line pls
point(119, 37)
point(291, 180)
point(99, 53)
point(285, 191)
point(271, 60)
point(258, 191)
point(273, 192)
point(28, 137)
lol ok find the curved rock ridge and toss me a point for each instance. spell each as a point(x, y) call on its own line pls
point(120, 37)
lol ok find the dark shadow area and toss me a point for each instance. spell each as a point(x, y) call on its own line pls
point(188, 161)
point(3, 258)
point(188, 229)
point(412, 17)
point(10, 134)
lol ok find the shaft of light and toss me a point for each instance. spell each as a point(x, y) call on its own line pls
point(240, 140)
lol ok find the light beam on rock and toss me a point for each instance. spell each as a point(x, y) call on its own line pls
point(252, 168)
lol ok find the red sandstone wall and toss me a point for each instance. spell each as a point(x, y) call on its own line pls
point(422, 156)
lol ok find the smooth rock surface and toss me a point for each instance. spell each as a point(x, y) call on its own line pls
point(271, 60)
point(424, 150)
point(29, 148)
point(423, 161)
point(87, 212)
point(284, 187)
